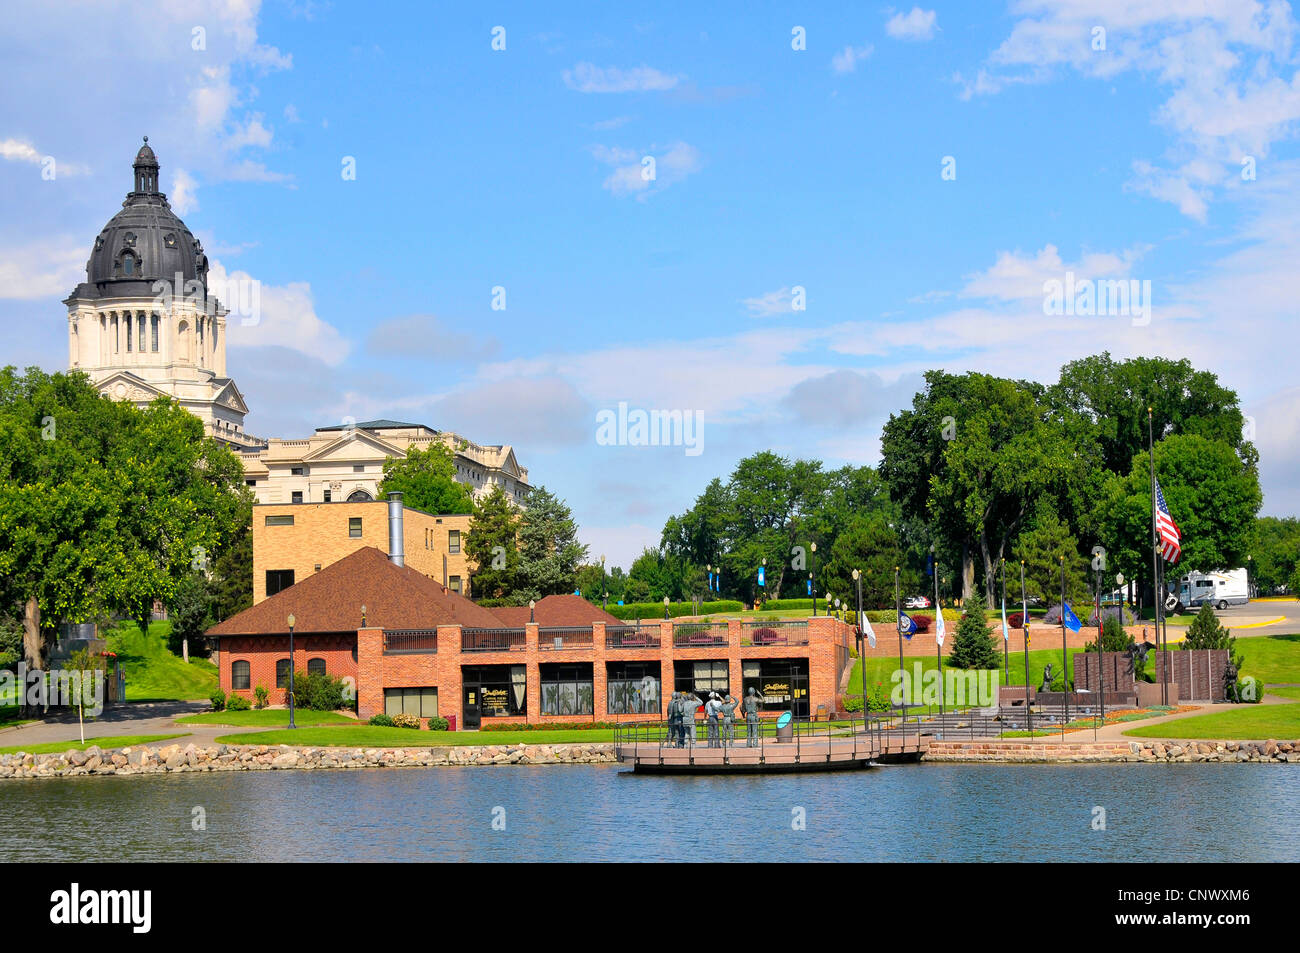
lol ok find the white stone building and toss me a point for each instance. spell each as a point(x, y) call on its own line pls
point(144, 324)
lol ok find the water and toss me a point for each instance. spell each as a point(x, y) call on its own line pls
point(977, 812)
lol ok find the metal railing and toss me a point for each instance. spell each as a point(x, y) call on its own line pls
point(410, 641)
point(758, 632)
point(699, 634)
point(851, 740)
point(552, 637)
point(632, 636)
point(492, 640)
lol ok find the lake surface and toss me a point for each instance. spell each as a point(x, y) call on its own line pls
point(977, 812)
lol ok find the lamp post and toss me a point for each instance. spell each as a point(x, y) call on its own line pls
point(292, 620)
point(531, 605)
point(812, 576)
point(898, 624)
point(665, 607)
point(604, 595)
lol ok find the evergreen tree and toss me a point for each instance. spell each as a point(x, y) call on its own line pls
point(549, 551)
point(973, 647)
point(492, 543)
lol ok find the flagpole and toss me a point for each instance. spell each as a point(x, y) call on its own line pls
point(938, 615)
point(1065, 656)
point(1024, 631)
point(898, 622)
point(1157, 580)
point(1006, 664)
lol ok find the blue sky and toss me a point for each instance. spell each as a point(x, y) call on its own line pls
point(776, 168)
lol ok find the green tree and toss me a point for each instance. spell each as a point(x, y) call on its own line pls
point(549, 551)
point(1114, 637)
point(231, 585)
point(190, 611)
point(1206, 632)
point(973, 646)
point(1212, 495)
point(1274, 553)
point(870, 545)
point(104, 507)
point(1113, 396)
point(492, 543)
point(427, 481)
point(1042, 548)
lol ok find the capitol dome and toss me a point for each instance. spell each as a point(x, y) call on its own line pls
point(145, 242)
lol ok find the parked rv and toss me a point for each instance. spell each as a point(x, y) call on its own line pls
point(1229, 587)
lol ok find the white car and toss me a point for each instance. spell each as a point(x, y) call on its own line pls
point(917, 602)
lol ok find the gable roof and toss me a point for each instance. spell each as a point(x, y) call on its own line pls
point(395, 597)
point(566, 609)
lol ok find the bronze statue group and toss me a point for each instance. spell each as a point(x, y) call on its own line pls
point(719, 716)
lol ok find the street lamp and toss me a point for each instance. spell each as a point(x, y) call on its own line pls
point(292, 620)
point(604, 597)
point(665, 607)
point(531, 605)
point(812, 577)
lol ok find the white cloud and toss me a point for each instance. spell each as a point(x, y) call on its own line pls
point(16, 150)
point(917, 24)
point(589, 78)
point(847, 59)
point(42, 269)
point(184, 194)
point(286, 318)
point(1018, 277)
point(780, 301)
point(1227, 65)
point(634, 175)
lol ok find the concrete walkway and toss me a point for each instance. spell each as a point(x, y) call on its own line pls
point(133, 718)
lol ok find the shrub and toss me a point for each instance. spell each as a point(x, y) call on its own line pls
point(237, 703)
point(878, 699)
point(1016, 620)
point(321, 692)
point(973, 647)
point(438, 724)
point(259, 696)
point(1113, 637)
point(575, 726)
point(383, 721)
point(655, 610)
point(218, 699)
point(851, 703)
point(923, 622)
point(1122, 614)
point(405, 720)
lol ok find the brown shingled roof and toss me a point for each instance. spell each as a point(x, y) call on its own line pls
point(395, 597)
point(566, 609)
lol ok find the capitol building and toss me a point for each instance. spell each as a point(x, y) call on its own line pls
point(144, 324)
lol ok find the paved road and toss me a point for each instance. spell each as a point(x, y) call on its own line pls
point(138, 718)
point(1236, 617)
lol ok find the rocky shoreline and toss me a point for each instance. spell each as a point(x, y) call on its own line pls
point(1010, 752)
point(174, 758)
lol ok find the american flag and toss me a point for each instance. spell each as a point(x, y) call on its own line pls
point(1170, 548)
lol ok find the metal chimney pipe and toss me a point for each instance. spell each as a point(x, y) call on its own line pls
point(396, 552)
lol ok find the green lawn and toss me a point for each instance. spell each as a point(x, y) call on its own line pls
point(880, 670)
point(9, 717)
point(1255, 722)
point(266, 717)
point(1272, 658)
point(1284, 691)
point(107, 741)
point(377, 736)
point(153, 672)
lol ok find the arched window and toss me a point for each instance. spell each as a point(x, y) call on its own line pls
point(282, 673)
point(128, 264)
point(239, 675)
point(153, 328)
point(359, 496)
point(315, 666)
point(127, 321)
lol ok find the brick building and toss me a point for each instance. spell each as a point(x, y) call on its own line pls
point(292, 541)
point(411, 644)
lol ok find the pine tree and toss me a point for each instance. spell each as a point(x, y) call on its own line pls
point(549, 551)
point(973, 647)
point(493, 544)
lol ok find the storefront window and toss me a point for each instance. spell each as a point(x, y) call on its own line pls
point(501, 689)
point(421, 702)
point(632, 688)
point(782, 684)
point(567, 689)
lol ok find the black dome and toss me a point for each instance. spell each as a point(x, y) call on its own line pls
point(144, 242)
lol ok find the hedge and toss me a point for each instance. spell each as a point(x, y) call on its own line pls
point(655, 610)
